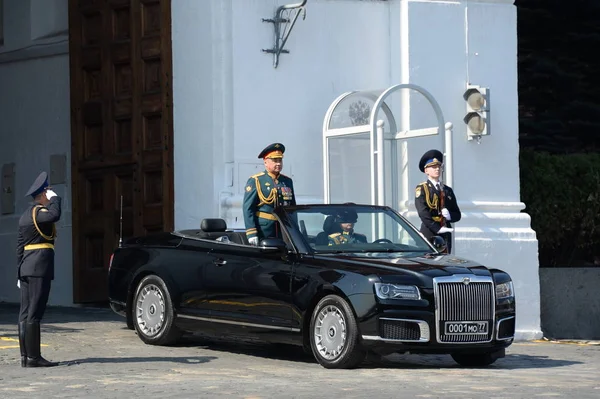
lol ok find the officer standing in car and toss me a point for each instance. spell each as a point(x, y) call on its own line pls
point(435, 202)
point(264, 192)
point(35, 272)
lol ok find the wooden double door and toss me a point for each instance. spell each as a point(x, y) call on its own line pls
point(121, 129)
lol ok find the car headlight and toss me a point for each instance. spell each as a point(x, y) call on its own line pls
point(394, 291)
point(505, 290)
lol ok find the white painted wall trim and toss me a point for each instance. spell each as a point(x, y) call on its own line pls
point(37, 50)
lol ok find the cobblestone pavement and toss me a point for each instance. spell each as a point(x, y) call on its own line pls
point(101, 358)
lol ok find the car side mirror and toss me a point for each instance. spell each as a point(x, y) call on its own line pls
point(438, 243)
point(272, 245)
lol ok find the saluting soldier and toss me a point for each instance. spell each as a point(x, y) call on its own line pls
point(264, 192)
point(435, 202)
point(35, 272)
point(345, 235)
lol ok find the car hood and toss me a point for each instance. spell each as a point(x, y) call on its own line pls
point(416, 264)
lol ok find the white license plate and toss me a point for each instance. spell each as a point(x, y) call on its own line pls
point(465, 327)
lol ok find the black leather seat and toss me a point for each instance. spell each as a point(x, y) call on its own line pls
point(239, 237)
point(329, 227)
point(212, 229)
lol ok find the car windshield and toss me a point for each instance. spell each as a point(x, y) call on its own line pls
point(355, 228)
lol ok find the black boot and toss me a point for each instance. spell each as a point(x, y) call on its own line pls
point(32, 342)
point(22, 329)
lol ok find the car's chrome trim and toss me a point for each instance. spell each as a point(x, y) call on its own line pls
point(118, 302)
point(423, 327)
point(498, 329)
point(238, 323)
point(465, 279)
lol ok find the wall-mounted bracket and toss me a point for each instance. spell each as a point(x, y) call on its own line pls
point(283, 23)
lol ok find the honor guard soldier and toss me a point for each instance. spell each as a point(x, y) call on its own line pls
point(345, 225)
point(435, 202)
point(264, 192)
point(35, 260)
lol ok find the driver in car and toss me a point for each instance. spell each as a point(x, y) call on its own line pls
point(344, 222)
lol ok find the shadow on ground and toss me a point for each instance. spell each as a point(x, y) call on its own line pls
point(182, 360)
point(9, 314)
point(8, 328)
point(395, 361)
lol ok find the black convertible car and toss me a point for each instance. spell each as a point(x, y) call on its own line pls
point(342, 280)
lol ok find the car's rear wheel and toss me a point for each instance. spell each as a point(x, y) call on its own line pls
point(474, 359)
point(334, 334)
point(152, 312)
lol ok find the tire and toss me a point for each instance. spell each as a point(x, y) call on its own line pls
point(474, 359)
point(152, 312)
point(334, 334)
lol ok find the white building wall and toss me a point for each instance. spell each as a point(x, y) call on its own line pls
point(35, 115)
point(229, 103)
point(476, 42)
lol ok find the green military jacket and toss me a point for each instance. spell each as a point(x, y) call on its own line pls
point(346, 238)
point(264, 192)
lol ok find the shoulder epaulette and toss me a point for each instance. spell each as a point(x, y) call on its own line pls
point(334, 235)
point(258, 174)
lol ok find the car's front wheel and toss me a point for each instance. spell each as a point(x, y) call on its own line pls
point(152, 312)
point(474, 359)
point(334, 334)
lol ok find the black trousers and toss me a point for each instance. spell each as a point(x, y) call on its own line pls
point(448, 238)
point(34, 297)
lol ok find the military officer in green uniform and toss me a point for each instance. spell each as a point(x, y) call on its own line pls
point(435, 202)
point(264, 192)
point(35, 267)
point(345, 234)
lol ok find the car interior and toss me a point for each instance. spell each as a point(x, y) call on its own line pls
point(216, 229)
point(329, 227)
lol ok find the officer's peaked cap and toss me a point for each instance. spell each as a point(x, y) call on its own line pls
point(39, 185)
point(430, 158)
point(274, 150)
point(346, 216)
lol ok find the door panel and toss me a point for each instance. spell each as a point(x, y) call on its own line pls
point(188, 270)
point(245, 285)
point(121, 130)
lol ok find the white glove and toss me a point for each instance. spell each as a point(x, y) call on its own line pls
point(19, 283)
point(445, 230)
point(253, 241)
point(446, 214)
point(50, 194)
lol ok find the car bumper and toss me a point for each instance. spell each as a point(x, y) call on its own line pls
point(417, 332)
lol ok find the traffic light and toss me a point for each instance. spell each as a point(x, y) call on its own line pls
point(477, 118)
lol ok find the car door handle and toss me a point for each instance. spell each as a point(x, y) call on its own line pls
point(219, 262)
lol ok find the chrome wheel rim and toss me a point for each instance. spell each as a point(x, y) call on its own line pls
point(150, 310)
point(330, 332)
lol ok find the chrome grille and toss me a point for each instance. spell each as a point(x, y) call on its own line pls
point(464, 298)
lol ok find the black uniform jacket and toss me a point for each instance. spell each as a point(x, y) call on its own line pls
point(427, 202)
point(35, 241)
